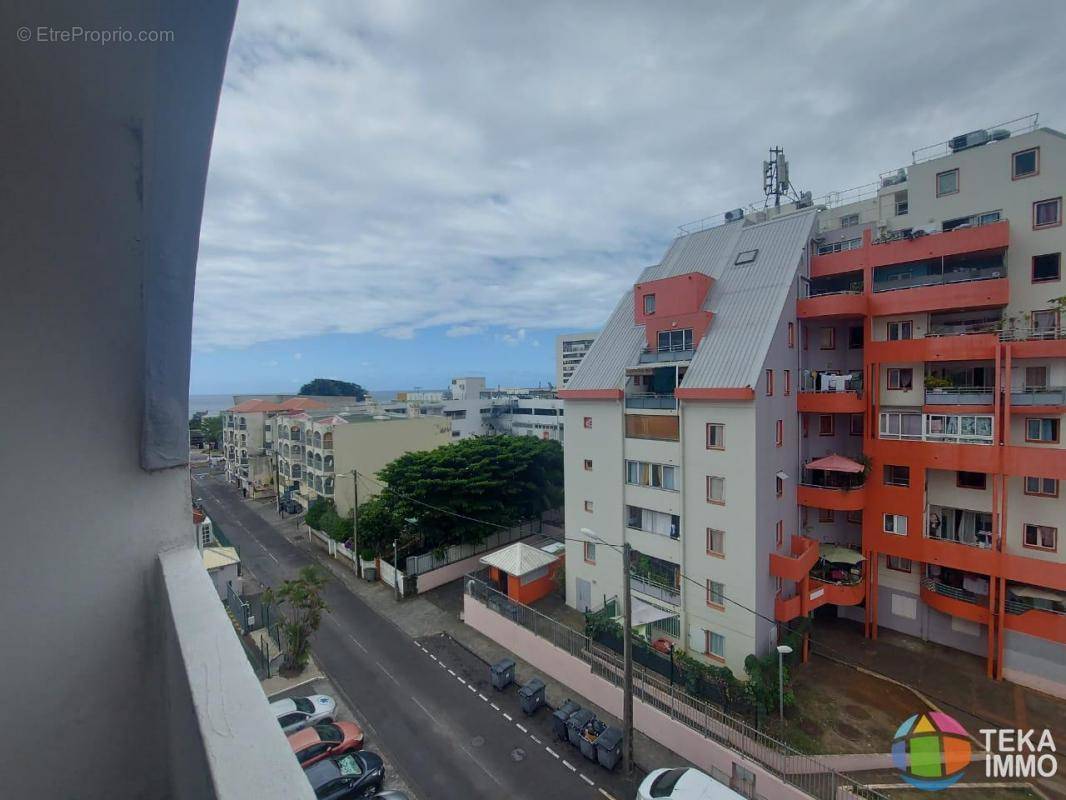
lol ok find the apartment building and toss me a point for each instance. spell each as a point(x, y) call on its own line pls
point(570, 348)
point(849, 410)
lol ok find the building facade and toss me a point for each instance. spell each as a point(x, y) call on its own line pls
point(570, 348)
point(850, 411)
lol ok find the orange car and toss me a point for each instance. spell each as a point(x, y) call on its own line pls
point(326, 739)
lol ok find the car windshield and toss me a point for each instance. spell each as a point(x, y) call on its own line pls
point(663, 786)
point(303, 704)
point(329, 733)
point(349, 765)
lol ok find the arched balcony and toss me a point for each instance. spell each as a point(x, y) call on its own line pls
point(327, 441)
point(327, 463)
point(297, 470)
point(327, 486)
point(285, 450)
point(318, 483)
point(317, 439)
point(318, 460)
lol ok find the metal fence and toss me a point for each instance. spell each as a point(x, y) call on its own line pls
point(238, 608)
point(802, 771)
point(425, 562)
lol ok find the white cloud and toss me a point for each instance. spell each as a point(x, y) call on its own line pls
point(457, 331)
point(393, 166)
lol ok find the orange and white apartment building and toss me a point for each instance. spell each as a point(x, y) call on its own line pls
point(850, 410)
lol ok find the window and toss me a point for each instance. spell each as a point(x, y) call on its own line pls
point(649, 304)
point(827, 339)
point(972, 221)
point(715, 594)
point(779, 433)
point(715, 645)
point(854, 517)
point(715, 489)
point(1047, 267)
point(855, 424)
point(1047, 213)
point(715, 542)
point(675, 341)
point(588, 422)
point(779, 532)
point(825, 515)
point(971, 480)
point(1045, 321)
point(898, 563)
point(657, 476)
point(1041, 429)
point(590, 553)
point(901, 425)
point(779, 485)
point(791, 335)
point(839, 247)
point(1025, 163)
point(746, 257)
point(826, 425)
point(715, 436)
point(848, 220)
point(896, 523)
point(947, 182)
point(901, 378)
point(644, 519)
point(788, 382)
point(646, 426)
point(1042, 487)
point(1036, 377)
point(855, 337)
point(901, 204)
point(900, 330)
point(1042, 537)
point(769, 383)
point(588, 465)
point(588, 505)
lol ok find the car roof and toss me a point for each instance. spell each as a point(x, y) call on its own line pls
point(284, 706)
point(322, 772)
point(304, 738)
point(695, 785)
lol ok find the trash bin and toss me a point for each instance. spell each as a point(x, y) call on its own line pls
point(502, 673)
point(560, 716)
point(531, 696)
point(609, 747)
point(589, 736)
point(577, 722)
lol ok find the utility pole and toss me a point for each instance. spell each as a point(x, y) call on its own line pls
point(355, 523)
point(627, 649)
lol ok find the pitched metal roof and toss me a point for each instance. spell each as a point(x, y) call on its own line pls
point(519, 559)
point(746, 300)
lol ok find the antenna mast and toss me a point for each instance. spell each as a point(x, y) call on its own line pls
point(775, 176)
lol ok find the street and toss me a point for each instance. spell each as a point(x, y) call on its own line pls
point(447, 739)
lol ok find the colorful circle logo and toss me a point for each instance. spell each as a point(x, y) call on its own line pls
point(931, 750)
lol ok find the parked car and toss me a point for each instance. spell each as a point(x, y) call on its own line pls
point(346, 776)
point(325, 739)
point(390, 794)
point(683, 783)
point(296, 713)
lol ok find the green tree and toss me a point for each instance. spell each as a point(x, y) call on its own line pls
point(330, 387)
point(300, 601)
point(452, 491)
point(322, 516)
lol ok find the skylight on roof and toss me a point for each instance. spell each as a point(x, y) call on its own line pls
point(746, 257)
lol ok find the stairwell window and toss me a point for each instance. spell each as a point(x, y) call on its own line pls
point(947, 182)
point(1041, 537)
point(715, 436)
point(716, 490)
point(788, 382)
point(779, 533)
point(898, 563)
point(1047, 213)
point(791, 335)
point(649, 304)
point(769, 383)
point(779, 435)
point(1044, 429)
point(1025, 163)
point(588, 506)
point(714, 645)
point(716, 595)
point(895, 523)
point(1041, 487)
point(715, 543)
point(588, 465)
point(1047, 267)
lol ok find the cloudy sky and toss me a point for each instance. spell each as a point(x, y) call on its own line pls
point(405, 191)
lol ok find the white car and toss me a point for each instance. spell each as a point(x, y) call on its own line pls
point(296, 713)
point(684, 783)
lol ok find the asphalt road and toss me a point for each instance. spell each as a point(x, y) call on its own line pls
point(447, 742)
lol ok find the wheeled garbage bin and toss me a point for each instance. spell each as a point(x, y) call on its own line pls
point(502, 673)
point(531, 696)
point(576, 724)
point(560, 716)
point(609, 747)
point(589, 736)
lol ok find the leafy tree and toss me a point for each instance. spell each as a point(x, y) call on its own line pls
point(329, 387)
point(322, 516)
point(452, 491)
point(305, 606)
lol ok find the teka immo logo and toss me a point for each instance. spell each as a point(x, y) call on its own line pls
point(931, 750)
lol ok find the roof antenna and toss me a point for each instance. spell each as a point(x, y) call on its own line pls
point(775, 176)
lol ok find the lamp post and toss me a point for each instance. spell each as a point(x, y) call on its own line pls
point(782, 651)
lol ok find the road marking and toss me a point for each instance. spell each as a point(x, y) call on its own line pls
point(358, 643)
point(586, 779)
point(551, 752)
point(433, 656)
point(426, 710)
point(569, 766)
point(495, 706)
point(507, 717)
point(471, 755)
point(382, 668)
point(535, 739)
point(517, 725)
point(607, 794)
point(479, 694)
point(460, 680)
point(470, 686)
point(451, 672)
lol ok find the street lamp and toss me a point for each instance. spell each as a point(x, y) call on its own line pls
point(782, 651)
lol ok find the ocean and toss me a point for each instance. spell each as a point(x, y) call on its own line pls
point(214, 404)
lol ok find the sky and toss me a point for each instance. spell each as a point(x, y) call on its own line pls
point(401, 192)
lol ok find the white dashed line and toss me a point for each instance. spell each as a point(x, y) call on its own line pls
point(433, 656)
point(569, 766)
point(479, 694)
point(507, 717)
point(534, 738)
point(551, 752)
point(382, 668)
point(495, 706)
point(470, 686)
point(460, 680)
point(357, 643)
point(607, 794)
point(426, 710)
point(521, 728)
point(451, 672)
point(586, 779)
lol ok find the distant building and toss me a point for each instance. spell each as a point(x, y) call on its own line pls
point(570, 349)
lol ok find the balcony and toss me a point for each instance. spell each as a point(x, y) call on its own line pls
point(955, 601)
point(826, 393)
point(652, 588)
point(1023, 400)
point(794, 567)
point(650, 356)
point(960, 526)
point(960, 396)
point(941, 284)
point(960, 241)
point(832, 305)
point(663, 402)
point(830, 497)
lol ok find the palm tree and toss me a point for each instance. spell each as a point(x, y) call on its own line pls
point(303, 596)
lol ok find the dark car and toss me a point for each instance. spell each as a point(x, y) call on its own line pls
point(346, 776)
